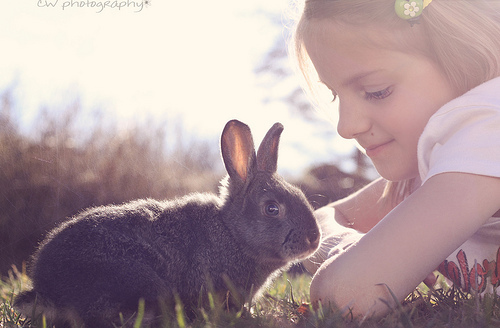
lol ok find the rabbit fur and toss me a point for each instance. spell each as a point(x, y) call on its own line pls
point(101, 262)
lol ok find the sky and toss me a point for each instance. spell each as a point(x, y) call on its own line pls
point(165, 59)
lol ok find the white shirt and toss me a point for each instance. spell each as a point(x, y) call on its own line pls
point(464, 136)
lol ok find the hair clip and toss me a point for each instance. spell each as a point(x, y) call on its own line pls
point(410, 10)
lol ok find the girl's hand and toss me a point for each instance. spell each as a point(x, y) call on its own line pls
point(337, 221)
point(335, 238)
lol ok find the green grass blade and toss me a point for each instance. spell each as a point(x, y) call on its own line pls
point(140, 314)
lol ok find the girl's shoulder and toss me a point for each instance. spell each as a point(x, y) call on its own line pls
point(479, 105)
point(464, 135)
point(486, 95)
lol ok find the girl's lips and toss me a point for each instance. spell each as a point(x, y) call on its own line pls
point(374, 150)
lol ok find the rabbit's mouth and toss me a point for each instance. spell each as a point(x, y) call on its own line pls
point(296, 246)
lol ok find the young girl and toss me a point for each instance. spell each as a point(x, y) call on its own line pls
point(419, 92)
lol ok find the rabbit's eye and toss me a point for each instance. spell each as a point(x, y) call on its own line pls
point(272, 209)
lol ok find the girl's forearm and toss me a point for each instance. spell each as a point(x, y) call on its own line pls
point(408, 244)
point(363, 209)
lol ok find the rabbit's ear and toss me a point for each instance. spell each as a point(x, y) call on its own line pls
point(267, 155)
point(238, 151)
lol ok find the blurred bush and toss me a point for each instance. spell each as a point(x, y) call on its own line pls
point(326, 183)
point(67, 164)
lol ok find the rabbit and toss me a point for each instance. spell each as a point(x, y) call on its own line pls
point(102, 262)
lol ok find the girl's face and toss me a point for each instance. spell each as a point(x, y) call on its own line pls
point(385, 96)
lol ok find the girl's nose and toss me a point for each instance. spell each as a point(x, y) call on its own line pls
point(353, 120)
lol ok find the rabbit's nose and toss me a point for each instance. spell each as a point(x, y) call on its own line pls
point(313, 237)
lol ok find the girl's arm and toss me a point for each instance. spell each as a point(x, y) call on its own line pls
point(363, 209)
point(411, 241)
point(360, 211)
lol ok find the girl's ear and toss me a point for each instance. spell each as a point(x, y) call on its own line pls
point(238, 151)
point(267, 155)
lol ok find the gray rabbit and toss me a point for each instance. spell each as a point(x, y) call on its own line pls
point(100, 263)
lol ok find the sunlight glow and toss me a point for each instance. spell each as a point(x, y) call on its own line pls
point(194, 60)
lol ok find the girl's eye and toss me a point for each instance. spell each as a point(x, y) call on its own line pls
point(378, 95)
point(271, 209)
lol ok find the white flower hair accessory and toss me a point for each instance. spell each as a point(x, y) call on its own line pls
point(410, 9)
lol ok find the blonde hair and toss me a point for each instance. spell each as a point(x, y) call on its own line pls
point(461, 37)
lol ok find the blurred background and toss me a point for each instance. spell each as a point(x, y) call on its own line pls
point(102, 105)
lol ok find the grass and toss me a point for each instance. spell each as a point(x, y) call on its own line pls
point(286, 304)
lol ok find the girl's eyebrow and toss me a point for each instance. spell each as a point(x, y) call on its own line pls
point(360, 76)
point(355, 78)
